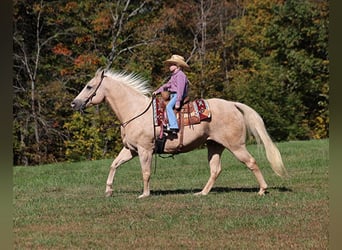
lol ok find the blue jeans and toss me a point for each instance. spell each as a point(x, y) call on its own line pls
point(169, 111)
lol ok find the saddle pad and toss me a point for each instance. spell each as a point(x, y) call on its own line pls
point(193, 112)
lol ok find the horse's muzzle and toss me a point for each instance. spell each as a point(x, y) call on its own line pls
point(78, 105)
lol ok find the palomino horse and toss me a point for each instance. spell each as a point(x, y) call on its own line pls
point(129, 97)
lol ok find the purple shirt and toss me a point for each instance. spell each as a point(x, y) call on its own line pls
point(178, 83)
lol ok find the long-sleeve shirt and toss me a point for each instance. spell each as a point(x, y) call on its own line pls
point(178, 83)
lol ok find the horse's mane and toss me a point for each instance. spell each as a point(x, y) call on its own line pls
point(131, 79)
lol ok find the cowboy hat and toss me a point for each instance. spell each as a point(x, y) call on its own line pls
point(179, 61)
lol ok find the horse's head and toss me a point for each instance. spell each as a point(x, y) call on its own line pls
point(91, 94)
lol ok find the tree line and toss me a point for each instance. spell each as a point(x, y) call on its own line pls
point(269, 54)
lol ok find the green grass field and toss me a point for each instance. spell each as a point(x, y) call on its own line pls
point(63, 205)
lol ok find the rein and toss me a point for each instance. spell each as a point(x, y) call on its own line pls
point(124, 124)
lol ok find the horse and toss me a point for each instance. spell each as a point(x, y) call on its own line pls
point(128, 95)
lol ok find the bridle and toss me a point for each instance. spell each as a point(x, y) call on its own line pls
point(82, 109)
point(93, 94)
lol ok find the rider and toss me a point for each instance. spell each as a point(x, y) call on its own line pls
point(178, 88)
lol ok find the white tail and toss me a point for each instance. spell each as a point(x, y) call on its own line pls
point(256, 126)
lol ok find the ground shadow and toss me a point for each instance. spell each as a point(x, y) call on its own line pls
point(218, 190)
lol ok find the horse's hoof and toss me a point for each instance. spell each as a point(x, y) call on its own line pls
point(143, 196)
point(109, 194)
point(262, 192)
point(200, 193)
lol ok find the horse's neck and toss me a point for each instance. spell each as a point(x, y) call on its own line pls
point(125, 102)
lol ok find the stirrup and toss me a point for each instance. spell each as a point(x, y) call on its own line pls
point(173, 131)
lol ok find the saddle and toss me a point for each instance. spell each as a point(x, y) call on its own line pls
point(190, 113)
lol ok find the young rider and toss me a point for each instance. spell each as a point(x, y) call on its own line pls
point(177, 86)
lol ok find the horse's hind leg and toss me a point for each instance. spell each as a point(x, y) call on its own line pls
point(242, 154)
point(124, 156)
point(214, 157)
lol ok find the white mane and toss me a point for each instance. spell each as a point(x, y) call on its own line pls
point(133, 80)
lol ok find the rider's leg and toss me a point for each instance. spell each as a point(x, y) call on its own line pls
point(170, 113)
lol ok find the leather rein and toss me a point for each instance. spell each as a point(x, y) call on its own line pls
point(124, 124)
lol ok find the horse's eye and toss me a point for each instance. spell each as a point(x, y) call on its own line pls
point(88, 87)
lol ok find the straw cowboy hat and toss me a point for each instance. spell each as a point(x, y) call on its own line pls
point(178, 60)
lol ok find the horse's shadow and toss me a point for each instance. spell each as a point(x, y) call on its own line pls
point(217, 190)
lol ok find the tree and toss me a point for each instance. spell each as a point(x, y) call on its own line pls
point(300, 40)
point(270, 51)
point(32, 38)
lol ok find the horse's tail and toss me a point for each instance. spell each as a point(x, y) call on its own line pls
point(256, 126)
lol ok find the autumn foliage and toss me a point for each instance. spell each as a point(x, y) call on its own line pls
point(269, 54)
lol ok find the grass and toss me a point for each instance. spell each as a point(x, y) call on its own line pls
point(63, 205)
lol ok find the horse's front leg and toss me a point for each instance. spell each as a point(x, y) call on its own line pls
point(124, 156)
point(145, 157)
